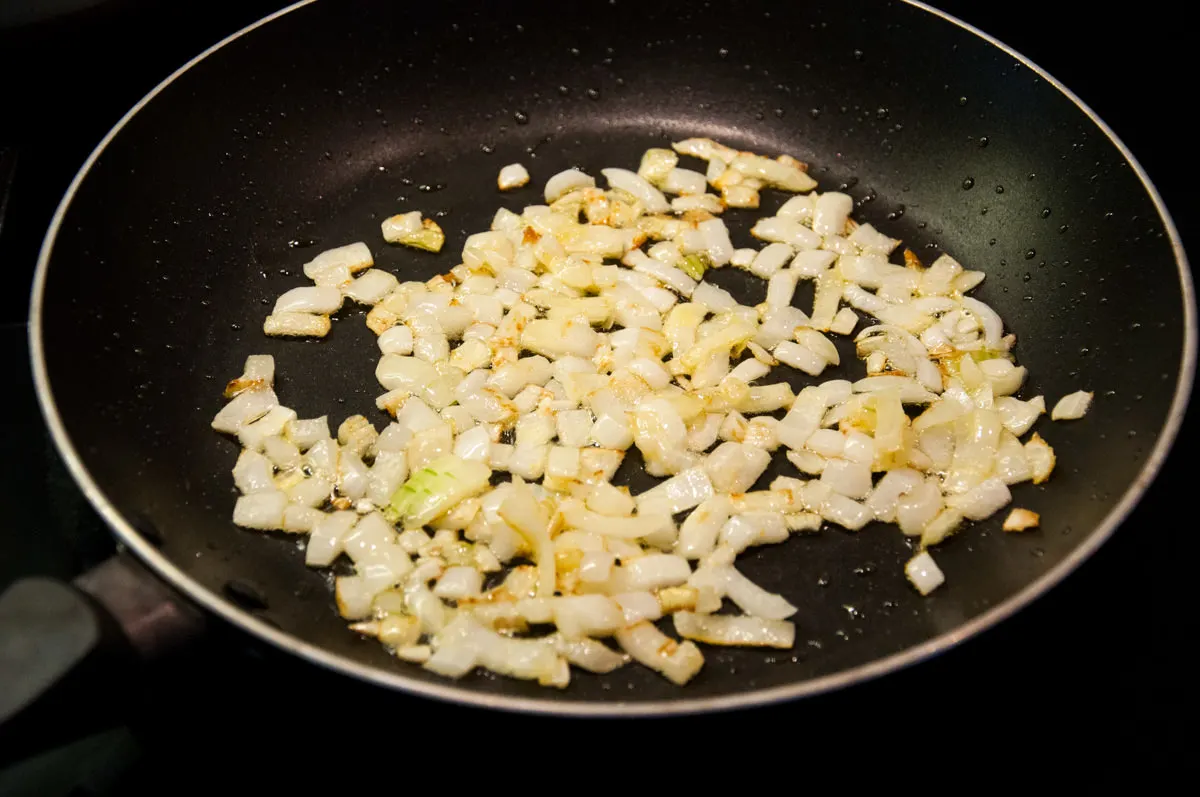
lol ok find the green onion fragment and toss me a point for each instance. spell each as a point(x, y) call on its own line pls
point(694, 266)
point(436, 488)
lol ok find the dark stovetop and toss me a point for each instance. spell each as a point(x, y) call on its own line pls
point(1094, 666)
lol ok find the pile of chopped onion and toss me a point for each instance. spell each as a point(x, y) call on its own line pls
point(575, 330)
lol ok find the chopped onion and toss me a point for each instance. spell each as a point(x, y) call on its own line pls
point(371, 287)
point(514, 175)
point(333, 267)
point(924, 573)
point(739, 631)
point(786, 231)
point(458, 583)
point(831, 212)
point(1071, 407)
point(982, 501)
point(261, 510)
point(409, 229)
point(657, 164)
point(735, 467)
point(1021, 520)
point(678, 662)
point(1041, 458)
point(566, 181)
point(687, 489)
point(589, 654)
point(753, 599)
point(1019, 416)
point(309, 300)
point(297, 325)
point(851, 479)
point(572, 331)
point(684, 181)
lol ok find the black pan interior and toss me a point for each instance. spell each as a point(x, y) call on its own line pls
point(306, 132)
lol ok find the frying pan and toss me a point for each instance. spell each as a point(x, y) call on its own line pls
point(303, 131)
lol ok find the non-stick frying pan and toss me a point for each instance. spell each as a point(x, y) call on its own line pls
point(303, 131)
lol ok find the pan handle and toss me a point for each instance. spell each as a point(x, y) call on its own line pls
point(70, 654)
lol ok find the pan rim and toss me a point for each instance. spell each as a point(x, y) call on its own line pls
point(684, 705)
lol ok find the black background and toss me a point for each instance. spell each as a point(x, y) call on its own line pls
point(1092, 680)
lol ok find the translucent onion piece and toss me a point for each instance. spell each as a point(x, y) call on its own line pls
point(924, 573)
point(716, 629)
point(1072, 407)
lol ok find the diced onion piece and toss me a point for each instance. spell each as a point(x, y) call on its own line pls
point(719, 629)
point(887, 493)
point(397, 340)
point(851, 479)
point(684, 181)
point(787, 231)
point(296, 325)
point(740, 196)
point(1072, 406)
point(402, 230)
point(977, 436)
point(458, 583)
point(1041, 458)
point(356, 594)
point(261, 510)
point(566, 181)
point(590, 654)
point(681, 492)
point(705, 149)
point(327, 540)
point(257, 374)
point(871, 241)
point(946, 523)
point(334, 267)
point(514, 175)
point(437, 487)
point(918, 507)
point(983, 500)
point(716, 241)
point(800, 357)
point(678, 662)
point(845, 512)
point(657, 164)
point(698, 534)
point(401, 225)
point(753, 599)
point(650, 572)
point(254, 435)
point(371, 287)
point(924, 573)
point(803, 521)
point(844, 321)
point(595, 567)
point(735, 467)
point(245, 408)
point(830, 213)
point(1021, 520)
point(709, 203)
point(1019, 416)
point(638, 187)
point(587, 615)
point(784, 175)
point(638, 606)
point(768, 262)
point(827, 296)
point(316, 300)
point(417, 654)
